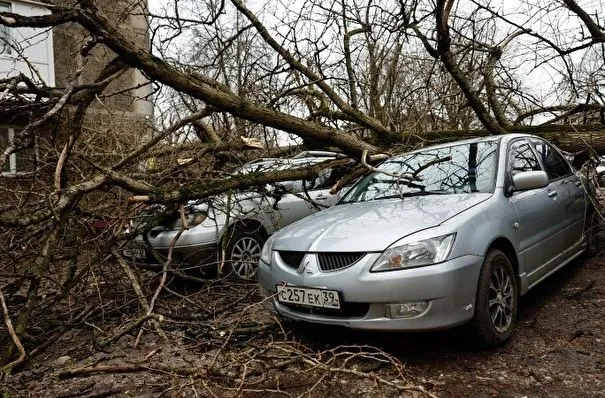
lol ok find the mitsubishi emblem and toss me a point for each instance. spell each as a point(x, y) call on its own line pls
point(304, 267)
point(308, 265)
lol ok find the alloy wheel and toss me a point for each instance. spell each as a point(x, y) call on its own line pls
point(501, 298)
point(245, 256)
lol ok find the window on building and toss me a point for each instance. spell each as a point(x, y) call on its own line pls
point(5, 31)
point(23, 161)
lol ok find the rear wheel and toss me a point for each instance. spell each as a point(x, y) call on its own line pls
point(496, 302)
point(242, 252)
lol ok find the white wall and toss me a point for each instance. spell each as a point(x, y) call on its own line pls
point(35, 45)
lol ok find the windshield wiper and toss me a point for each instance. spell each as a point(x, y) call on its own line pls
point(415, 193)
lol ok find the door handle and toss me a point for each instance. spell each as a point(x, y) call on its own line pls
point(321, 197)
point(552, 194)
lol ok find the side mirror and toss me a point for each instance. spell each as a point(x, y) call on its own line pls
point(526, 180)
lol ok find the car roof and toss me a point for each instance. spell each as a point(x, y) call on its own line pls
point(489, 138)
point(458, 142)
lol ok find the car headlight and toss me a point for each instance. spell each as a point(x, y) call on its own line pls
point(265, 254)
point(193, 220)
point(415, 254)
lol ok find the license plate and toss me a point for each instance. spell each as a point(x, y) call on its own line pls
point(134, 252)
point(321, 298)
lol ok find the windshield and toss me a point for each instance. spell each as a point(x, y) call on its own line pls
point(295, 186)
point(456, 169)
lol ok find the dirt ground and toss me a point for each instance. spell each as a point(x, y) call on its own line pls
point(234, 348)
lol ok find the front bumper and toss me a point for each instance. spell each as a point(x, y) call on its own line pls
point(449, 288)
point(182, 256)
point(195, 247)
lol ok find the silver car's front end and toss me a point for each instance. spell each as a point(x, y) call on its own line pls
point(193, 247)
point(420, 298)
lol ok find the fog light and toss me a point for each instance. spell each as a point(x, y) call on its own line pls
point(406, 310)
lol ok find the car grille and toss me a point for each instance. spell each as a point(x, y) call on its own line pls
point(335, 261)
point(292, 259)
point(327, 261)
point(348, 310)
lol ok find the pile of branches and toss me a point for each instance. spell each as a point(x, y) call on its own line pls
point(218, 339)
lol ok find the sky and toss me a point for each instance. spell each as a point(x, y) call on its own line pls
point(540, 80)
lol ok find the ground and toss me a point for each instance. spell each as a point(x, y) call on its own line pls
point(235, 348)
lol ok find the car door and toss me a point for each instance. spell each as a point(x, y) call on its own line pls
point(290, 206)
point(570, 193)
point(539, 226)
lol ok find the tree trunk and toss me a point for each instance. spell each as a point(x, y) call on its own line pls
point(567, 137)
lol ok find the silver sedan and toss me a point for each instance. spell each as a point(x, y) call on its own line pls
point(439, 237)
point(232, 228)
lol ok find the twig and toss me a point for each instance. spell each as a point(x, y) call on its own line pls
point(235, 327)
point(129, 328)
point(79, 318)
point(5, 370)
point(137, 288)
point(152, 353)
point(429, 164)
point(317, 364)
point(407, 177)
point(129, 368)
point(184, 227)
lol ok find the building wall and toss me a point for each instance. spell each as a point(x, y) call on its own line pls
point(53, 57)
point(69, 39)
point(120, 117)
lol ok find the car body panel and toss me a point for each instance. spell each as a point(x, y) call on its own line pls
point(540, 239)
point(448, 286)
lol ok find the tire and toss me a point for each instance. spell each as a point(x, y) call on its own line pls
point(496, 302)
point(242, 252)
point(591, 230)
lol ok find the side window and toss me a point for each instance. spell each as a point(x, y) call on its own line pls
point(5, 31)
point(554, 163)
point(521, 158)
point(327, 178)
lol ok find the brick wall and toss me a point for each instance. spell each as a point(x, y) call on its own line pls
point(69, 39)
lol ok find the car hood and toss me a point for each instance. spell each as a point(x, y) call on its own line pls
point(374, 225)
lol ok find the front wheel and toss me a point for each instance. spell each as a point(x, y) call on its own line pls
point(592, 228)
point(496, 301)
point(242, 252)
